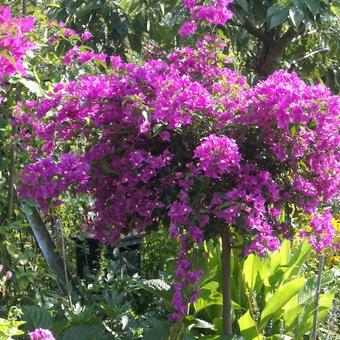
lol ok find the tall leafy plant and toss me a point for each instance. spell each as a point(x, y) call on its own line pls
point(271, 296)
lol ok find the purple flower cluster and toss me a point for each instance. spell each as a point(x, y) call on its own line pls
point(323, 233)
point(217, 155)
point(81, 57)
point(216, 12)
point(14, 42)
point(41, 334)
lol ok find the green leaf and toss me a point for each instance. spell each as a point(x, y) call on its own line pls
point(194, 322)
point(285, 253)
point(309, 289)
point(279, 299)
point(158, 330)
point(243, 4)
point(86, 9)
point(336, 10)
point(85, 332)
point(250, 270)
point(32, 86)
point(209, 296)
point(248, 326)
point(278, 18)
point(297, 260)
point(296, 15)
point(290, 317)
point(325, 303)
point(4, 163)
point(314, 6)
point(53, 5)
point(276, 15)
point(158, 288)
point(36, 317)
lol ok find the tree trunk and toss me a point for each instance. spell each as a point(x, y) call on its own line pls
point(226, 281)
point(46, 245)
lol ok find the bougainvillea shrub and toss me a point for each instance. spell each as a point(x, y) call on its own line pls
point(185, 142)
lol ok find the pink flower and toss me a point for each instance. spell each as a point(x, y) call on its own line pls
point(41, 334)
point(217, 155)
point(87, 36)
point(165, 136)
point(188, 28)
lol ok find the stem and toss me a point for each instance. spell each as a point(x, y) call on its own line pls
point(11, 180)
point(317, 298)
point(226, 281)
point(24, 7)
point(64, 264)
point(250, 303)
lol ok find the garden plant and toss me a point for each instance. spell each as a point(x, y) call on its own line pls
point(179, 140)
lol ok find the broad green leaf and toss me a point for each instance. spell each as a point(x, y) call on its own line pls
point(325, 303)
point(158, 330)
point(135, 42)
point(285, 253)
point(309, 289)
point(250, 270)
point(243, 4)
point(32, 86)
point(275, 259)
point(279, 299)
point(296, 14)
point(248, 327)
point(297, 260)
point(158, 288)
point(194, 322)
point(85, 332)
point(274, 9)
point(36, 317)
point(278, 18)
point(336, 10)
point(314, 6)
point(4, 163)
point(290, 316)
point(86, 9)
point(209, 296)
point(264, 270)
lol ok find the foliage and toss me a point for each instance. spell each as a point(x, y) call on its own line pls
point(158, 254)
point(297, 35)
point(271, 296)
point(10, 327)
point(105, 305)
point(117, 25)
point(181, 142)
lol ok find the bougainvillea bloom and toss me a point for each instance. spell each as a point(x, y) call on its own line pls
point(217, 155)
point(41, 334)
point(14, 43)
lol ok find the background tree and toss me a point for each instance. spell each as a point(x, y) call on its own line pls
point(296, 35)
